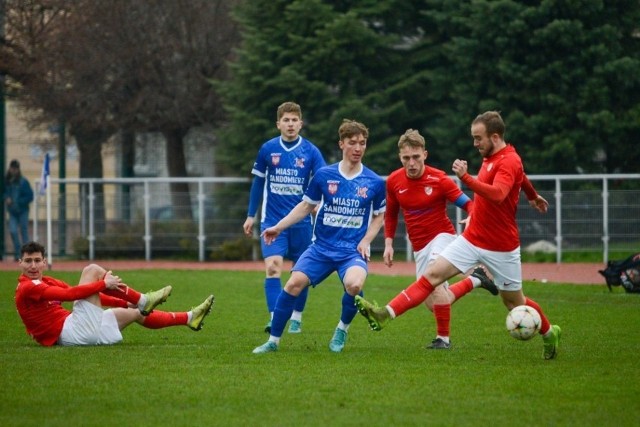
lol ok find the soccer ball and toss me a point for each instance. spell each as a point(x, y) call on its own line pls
point(523, 322)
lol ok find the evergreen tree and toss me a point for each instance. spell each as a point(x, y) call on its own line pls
point(560, 72)
point(336, 59)
point(563, 74)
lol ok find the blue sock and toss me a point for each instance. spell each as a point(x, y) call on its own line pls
point(349, 308)
point(282, 313)
point(301, 301)
point(272, 288)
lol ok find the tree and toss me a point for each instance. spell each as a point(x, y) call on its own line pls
point(336, 59)
point(562, 73)
point(133, 66)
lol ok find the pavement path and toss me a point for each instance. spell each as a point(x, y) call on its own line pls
point(578, 273)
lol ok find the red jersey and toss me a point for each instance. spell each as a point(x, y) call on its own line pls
point(39, 304)
point(423, 202)
point(495, 202)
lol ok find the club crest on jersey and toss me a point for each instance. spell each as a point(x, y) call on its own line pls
point(275, 159)
point(333, 186)
point(428, 190)
point(489, 167)
point(299, 162)
point(362, 192)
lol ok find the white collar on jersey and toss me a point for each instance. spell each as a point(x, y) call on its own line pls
point(353, 174)
point(289, 145)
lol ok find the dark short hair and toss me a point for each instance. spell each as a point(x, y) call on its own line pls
point(14, 164)
point(32, 247)
point(492, 122)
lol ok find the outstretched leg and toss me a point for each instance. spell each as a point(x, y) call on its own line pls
point(193, 318)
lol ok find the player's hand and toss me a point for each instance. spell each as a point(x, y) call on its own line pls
point(270, 234)
point(540, 204)
point(465, 221)
point(248, 226)
point(459, 167)
point(363, 250)
point(388, 256)
point(111, 281)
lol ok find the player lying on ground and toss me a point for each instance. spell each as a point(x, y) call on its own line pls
point(39, 303)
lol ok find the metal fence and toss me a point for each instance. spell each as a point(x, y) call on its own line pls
point(135, 217)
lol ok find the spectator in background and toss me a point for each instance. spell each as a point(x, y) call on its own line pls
point(18, 195)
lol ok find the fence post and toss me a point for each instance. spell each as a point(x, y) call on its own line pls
point(558, 221)
point(147, 222)
point(201, 236)
point(92, 235)
point(605, 219)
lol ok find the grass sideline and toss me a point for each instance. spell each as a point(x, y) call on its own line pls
point(179, 377)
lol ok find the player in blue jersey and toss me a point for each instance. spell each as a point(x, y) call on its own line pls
point(351, 212)
point(281, 175)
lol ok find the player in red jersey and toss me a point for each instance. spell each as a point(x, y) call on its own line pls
point(490, 237)
point(39, 302)
point(422, 193)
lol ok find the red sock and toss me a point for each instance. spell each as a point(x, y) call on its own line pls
point(411, 297)
point(442, 312)
point(161, 319)
point(126, 293)
point(544, 327)
point(107, 301)
point(461, 288)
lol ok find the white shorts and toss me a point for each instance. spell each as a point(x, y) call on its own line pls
point(430, 252)
point(506, 267)
point(89, 324)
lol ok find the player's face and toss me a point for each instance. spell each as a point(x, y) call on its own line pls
point(412, 159)
point(481, 140)
point(289, 126)
point(353, 148)
point(33, 265)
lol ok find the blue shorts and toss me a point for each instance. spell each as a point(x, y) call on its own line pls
point(290, 244)
point(317, 264)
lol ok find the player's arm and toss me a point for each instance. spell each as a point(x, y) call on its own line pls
point(390, 226)
point(464, 202)
point(454, 195)
point(496, 192)
point(375, 225)
point(255, 197)
point(535, 200)
point(70, 293)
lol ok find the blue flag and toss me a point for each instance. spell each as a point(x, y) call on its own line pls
point(44, 177)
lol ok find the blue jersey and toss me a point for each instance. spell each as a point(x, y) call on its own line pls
point(347, 205)
point(287, 169)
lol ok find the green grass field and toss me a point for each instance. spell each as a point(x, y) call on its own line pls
point(179, 377)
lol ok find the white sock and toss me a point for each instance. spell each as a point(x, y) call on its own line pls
point(445, 339)
point(296, 315)
point(343, 326)
point(476, 282)
point(391, 312)
point(143, 300)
